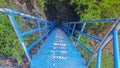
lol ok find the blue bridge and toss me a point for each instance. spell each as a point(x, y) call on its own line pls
point(58, 51)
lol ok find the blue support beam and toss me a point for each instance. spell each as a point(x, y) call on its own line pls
point(98, 65)
point(84, 46)
point(32, 31)
point(109, 20)
point(103, 41)
point(38, 22)
point(106, 39)
point(116, 49)
point(113, 33)
point(46, 27)
point(20, 35)
point(14, 23)
point(83, 27)
point(69, 28)
point(90, 36)
point(73, 29)
point(35, 42)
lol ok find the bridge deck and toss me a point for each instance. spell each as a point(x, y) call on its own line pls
point(57, 52)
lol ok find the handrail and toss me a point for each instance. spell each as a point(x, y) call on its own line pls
point(84, 46)
point(89, 36)
point(95, 21)
point(106, 39)
point(111, 34)
point(48, 27)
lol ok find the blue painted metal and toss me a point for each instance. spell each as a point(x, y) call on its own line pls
point(116, 49)
point(103, 41)
point(35, 42)
point(106, 39)
point(38, 22)
point(34, 30)
point(60, 51)
point(73, 29)
point(30, 32)
point(7, 11)
point(20, 35)
point(99, 59)
point(84, 46)
point(65, 27)
point(46, 27)
point(90, 36)
point(69, 28)
point(57, 53)
point(83, 27)
point(110, 20)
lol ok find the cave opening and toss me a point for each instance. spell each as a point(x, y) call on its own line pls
point(60, 11)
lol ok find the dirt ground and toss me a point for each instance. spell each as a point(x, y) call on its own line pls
point(9, 62)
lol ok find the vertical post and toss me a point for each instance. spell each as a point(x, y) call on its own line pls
point(116, 49)
point(38, 21)
point(53, 25)
point(69, 28)
point(14, 24)
point(98, 59)
point(39, 27)
point(46, 27)
point(81, 31)
point(49, 27)
point(65, 27)
point(62, 26)
point(73, 29)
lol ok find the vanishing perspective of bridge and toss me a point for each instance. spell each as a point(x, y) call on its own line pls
point(58, 51)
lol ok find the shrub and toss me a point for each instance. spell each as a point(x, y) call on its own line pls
point(9, 43)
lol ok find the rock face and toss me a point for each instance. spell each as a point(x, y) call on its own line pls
point(60, 11)
point(21, 7)
point(30, 8)
point(54, 10)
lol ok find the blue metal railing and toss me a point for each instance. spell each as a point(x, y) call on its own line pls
point(48, 27)
point(112, 34)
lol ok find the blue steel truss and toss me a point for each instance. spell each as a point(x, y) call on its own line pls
point(20, 34)
point(112, 34)
point(55, 46)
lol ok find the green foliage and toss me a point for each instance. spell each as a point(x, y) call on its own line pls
point(2, 1)
point(9, 44)
point(26, 25)
point(93, 64)
point(41, 4)
point(105, 62)
point(96, 9)
point(84, 52)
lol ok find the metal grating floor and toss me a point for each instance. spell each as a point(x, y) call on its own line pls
point(57, 52)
